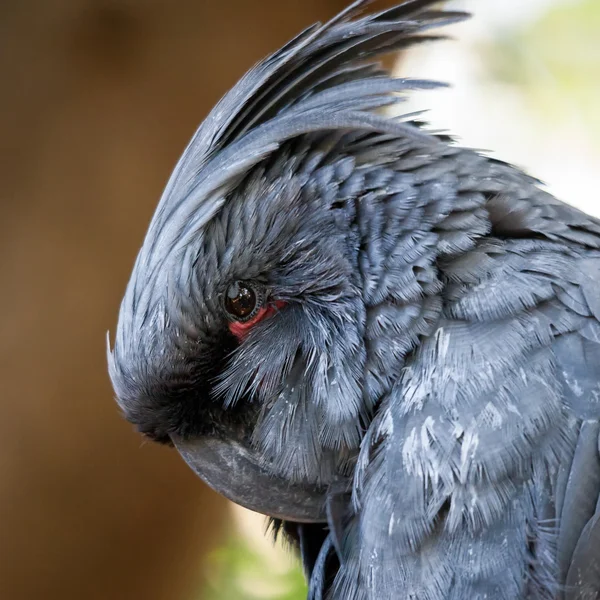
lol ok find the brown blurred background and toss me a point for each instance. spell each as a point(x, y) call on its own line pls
point(98, 98)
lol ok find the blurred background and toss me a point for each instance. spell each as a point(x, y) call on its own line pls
point(99, 97)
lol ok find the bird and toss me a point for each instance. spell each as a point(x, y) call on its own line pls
point(387, 343)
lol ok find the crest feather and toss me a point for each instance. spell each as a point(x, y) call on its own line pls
point(327, 78)
point(299, 89)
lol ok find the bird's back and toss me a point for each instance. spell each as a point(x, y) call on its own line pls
point(480, 474)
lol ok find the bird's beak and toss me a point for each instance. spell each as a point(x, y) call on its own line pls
point(235, 471)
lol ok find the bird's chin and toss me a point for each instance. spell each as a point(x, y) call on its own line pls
point(234, 470)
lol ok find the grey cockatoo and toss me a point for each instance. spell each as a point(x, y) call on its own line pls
point(386, 342)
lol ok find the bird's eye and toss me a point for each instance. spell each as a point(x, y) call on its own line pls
point(242, 301)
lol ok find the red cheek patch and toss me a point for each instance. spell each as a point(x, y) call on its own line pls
point(241, 330)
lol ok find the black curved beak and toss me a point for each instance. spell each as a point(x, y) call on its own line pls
point(233, 470)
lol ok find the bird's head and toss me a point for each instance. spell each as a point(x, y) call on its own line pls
point(244, 342)
point(241, 334)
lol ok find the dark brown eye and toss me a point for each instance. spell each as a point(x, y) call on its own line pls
point(242, 301)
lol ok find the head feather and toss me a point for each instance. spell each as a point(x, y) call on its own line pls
point(299, 89)
point(325, 79)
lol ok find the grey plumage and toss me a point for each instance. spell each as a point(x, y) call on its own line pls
point(424, 390)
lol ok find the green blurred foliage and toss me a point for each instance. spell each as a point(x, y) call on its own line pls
point(237, 572)
point(555, 62)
